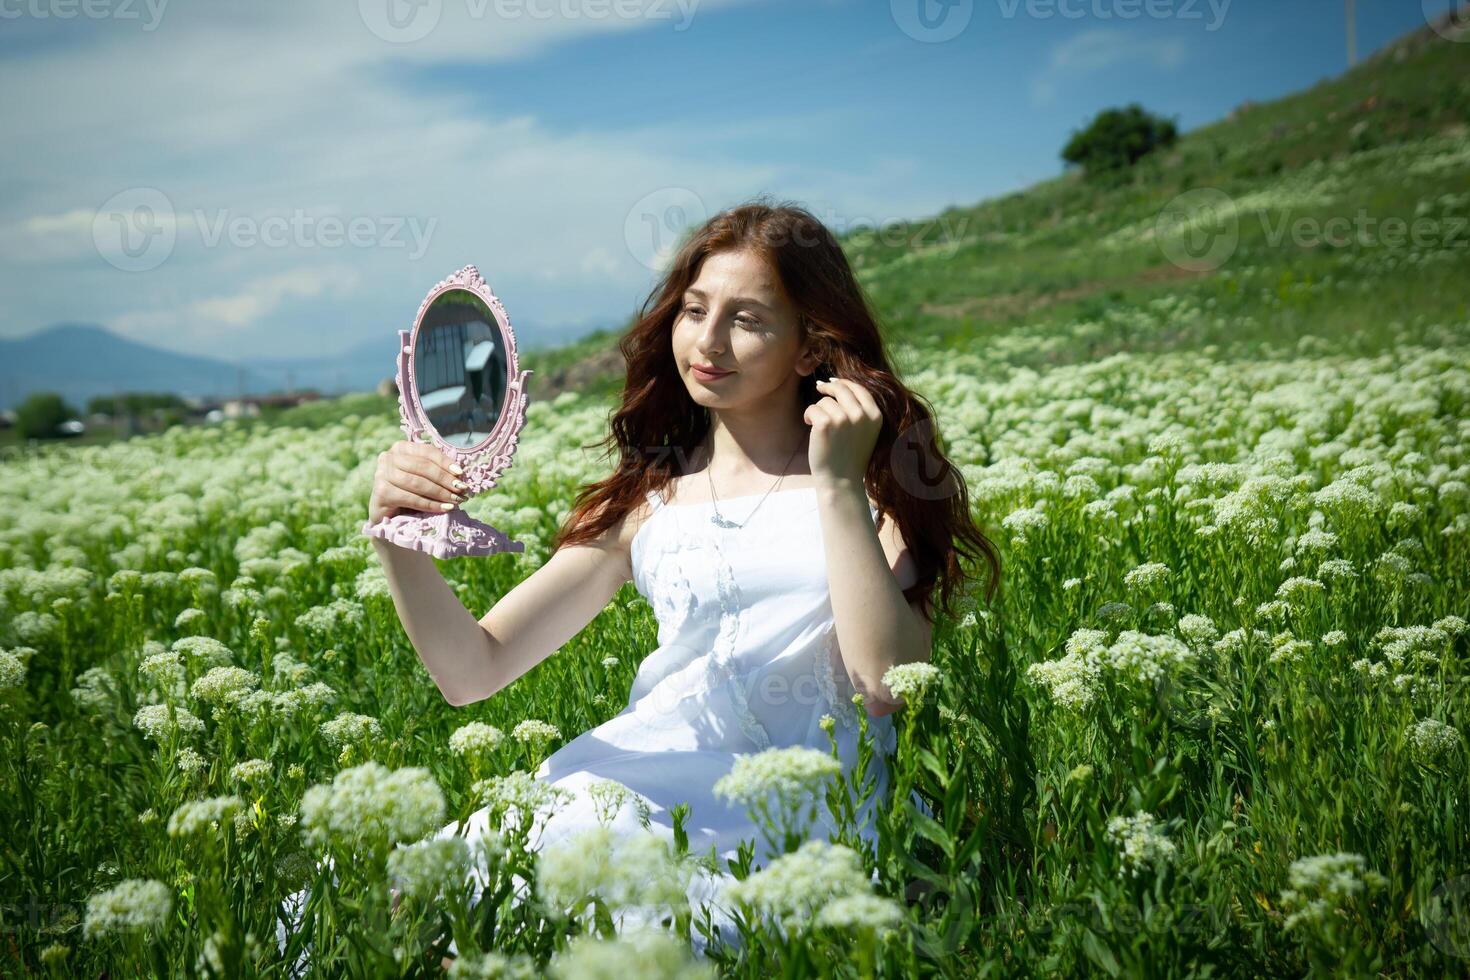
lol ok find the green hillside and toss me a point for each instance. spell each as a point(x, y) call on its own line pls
point(1077, 266)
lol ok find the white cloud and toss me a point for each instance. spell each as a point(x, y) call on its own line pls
point(236, 112)
point(1097, 50)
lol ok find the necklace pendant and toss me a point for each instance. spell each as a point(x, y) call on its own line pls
point(719, 521)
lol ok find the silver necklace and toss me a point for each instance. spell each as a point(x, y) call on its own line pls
point(720, 521)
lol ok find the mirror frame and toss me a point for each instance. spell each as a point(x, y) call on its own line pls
point(454, 533)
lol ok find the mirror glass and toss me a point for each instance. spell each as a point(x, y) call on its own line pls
point(460, 368)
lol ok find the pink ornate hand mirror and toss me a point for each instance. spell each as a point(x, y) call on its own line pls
point(460, 386)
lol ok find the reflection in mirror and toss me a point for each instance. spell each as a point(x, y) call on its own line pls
point(460, 368)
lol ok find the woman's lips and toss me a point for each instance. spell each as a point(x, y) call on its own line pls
point(704, 375)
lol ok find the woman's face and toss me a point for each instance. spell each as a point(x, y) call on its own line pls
point(737, 318)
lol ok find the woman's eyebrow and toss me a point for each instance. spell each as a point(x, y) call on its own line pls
point(738, 300)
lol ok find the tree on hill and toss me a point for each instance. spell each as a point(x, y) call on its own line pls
point(1118, 138)
point(40, 416)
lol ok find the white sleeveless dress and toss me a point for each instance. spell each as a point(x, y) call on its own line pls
point(747, 659)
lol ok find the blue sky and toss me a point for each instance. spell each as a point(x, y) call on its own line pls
point(234, 178)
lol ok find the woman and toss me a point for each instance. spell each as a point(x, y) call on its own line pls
point(765, 505)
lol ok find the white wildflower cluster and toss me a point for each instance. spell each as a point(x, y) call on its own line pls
point(1297, 592)
point(1075, 680)
point(424, 868)
point(339, 615)
point(1025, 522)
point(622, 869)
point(95, 689)
point(12, 669)
point(163, 670)
point(190, 761)
point(203, 652)
point(636, 952)
point(609, 797)
point(1141, 842)
point(303, 700)
point(1417, 647)
point(1431, 740)
point(199, 817)
point(1324, 883)
point(159, 721)
point(371, 583)
point(1286, 648)
point(533, 730)
point(795, 887)
point(1234, 643)
point(1145, 658)
point(1147, 577)
point(790, 772)
point(1336, 570)
point(224, 686)
point(251, 771)
point(1198, 631)
point(133, 905)
point(910, 681)
point(350, 728)
point(519, 798)
point(371, 804)
point(475, 739)
point(191, 619)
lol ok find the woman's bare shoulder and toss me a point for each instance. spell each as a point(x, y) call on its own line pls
point(616, 541)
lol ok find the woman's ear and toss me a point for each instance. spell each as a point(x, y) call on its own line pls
point(810, 361)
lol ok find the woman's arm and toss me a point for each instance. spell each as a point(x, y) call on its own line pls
point(471, 660)
point(877, 628)
point(867, 571)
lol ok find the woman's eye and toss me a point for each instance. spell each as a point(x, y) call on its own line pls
point(748, 321)
point(691, 311)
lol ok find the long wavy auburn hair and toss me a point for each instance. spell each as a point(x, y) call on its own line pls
point(658, 426)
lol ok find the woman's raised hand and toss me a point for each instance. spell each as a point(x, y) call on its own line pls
point(414, 476)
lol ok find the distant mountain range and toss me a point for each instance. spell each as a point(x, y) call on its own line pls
point(80, 361)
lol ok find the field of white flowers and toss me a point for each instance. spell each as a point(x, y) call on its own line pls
point(1214, 722)
point(1212, 725)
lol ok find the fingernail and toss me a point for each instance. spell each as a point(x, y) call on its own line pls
point(446, 505)
point(456, 469)
point(460, 484)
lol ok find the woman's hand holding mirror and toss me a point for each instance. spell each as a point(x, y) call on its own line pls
point(414, 476)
